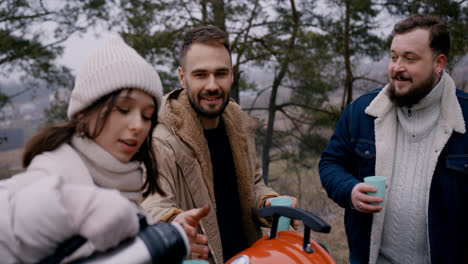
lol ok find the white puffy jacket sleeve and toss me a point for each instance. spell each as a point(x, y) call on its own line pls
point(37, 218)
point(33, 221)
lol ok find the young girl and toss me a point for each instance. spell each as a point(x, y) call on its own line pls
point(85, 176)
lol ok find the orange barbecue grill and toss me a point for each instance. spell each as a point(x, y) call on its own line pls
point(286, 247)
point(155, 244)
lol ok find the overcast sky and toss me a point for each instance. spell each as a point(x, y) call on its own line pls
point(76, 50)
point(78, 47)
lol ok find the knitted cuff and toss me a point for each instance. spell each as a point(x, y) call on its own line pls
point(170, 215)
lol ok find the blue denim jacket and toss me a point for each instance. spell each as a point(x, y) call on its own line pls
point(350, 156)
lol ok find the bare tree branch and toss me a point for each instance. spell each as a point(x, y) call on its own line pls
point(255, 100)
point(368, 79)
point(332, 113)
point(189, 12)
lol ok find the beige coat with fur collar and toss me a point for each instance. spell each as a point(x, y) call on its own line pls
point(186, 173)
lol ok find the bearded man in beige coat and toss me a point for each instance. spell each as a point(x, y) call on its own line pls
point(206, 152)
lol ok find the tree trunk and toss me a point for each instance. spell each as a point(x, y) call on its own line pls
point(348, 85)
point(274, 92)
point(241, 48)
point(219, 14)
point(204, 12)
point(235, 84)
point(219, 20)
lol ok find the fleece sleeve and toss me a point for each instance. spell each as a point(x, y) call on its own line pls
point(33, 220)
point(37, 218)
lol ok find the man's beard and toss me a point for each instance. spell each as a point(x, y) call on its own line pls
point(200, 110)
point(414, 95)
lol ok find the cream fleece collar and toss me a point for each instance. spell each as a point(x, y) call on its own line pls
point(419, 120)
point(450, 110)
point(107, 171)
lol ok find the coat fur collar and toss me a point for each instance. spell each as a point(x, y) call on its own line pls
point(450, 108)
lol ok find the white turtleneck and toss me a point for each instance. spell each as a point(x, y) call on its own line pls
point(405, 238)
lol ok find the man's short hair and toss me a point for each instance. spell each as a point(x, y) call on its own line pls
point(209, 35)
point(439, 36)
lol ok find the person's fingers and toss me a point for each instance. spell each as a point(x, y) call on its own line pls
point(369, 208)
point(190, 230)
point(359, 196)
point(205, 255)
point(201, 239)
point(363, 188)
point(356, 189)
point(198, 251)
point(198, 256)
point(294, 201)
point(189, 220)
point(372, 199)
point(295, 224)
point(182, 220)
point(199, 213)
point(193, 216)
point(198, 247)
point(361, 200)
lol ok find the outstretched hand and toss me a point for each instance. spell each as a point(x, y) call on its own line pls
point(189, 221)
point(294, 223)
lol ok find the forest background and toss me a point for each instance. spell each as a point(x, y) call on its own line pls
point(296, 63)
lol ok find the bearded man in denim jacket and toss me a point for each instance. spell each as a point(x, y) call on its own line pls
point(413, 132)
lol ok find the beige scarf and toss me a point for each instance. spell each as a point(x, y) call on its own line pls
point(107, 171)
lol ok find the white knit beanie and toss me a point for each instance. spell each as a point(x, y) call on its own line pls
point(112, 66)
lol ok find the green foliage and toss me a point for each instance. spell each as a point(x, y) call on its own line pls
point(453, 12)
point(351, 25)
point(155, 30)
point(247, 85)
point(312, 145)
point(56, 112)
point(363, 41)
point(311, 70)
point(4, 99)
point(32, 34)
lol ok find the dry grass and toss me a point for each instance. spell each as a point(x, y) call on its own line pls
point(10, 162)
point(313, 198)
